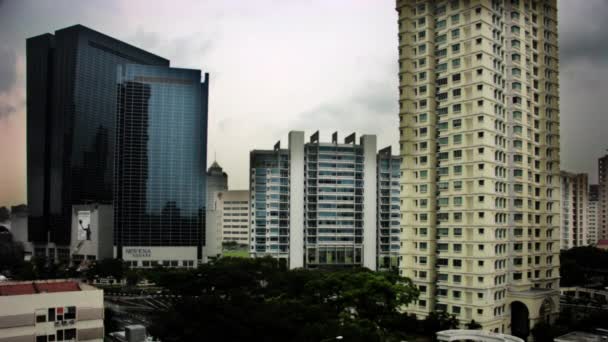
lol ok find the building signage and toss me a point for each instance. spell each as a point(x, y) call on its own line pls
point(84, 225)
point(138, 252)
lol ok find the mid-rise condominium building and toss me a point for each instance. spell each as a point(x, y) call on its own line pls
point(602, 216)
point(227, 221)
point(479, 128)
point(592, 214)
point(318, 204)
point(51, 310)
point(574, 207)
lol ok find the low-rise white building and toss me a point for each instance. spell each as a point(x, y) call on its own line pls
point(50, 310)
point(227, 220)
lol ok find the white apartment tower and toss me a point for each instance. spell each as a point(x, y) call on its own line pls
point(574, 207)
point(479, 138)
point(602, 219)
point(592, 214)
point(317, 204)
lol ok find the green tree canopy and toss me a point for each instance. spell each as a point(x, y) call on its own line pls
point(257, 299)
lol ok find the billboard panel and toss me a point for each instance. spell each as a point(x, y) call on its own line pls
point(84, 225)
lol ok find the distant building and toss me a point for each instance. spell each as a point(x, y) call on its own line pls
point(592, 214)
point(574, 209)
point(315, 204)
point(51, 310)
point(602, 216)
point(227, 220)
point(217, 180)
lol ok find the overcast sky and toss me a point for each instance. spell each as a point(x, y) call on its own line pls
point(287, 65)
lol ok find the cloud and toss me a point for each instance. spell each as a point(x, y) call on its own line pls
point(583, 28)
point(366, 110)
point(6, 110)
point(8, 68)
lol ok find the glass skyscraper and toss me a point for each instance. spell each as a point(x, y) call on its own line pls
point(71, 106)
point(159, 196)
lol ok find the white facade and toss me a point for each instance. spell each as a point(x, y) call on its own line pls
point(151, 256)
point(574, 210)
point(316, 204)
point(92, 236)
point(592, 215)
point(53, 310)
point(228, 220)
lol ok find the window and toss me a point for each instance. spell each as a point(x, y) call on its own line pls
point(51, 314)
point(515, 29)
point(456, 78)
point(70, 313)
point(456, 92)
point(440, 24)
point(457, 108)
point(40, 318)
point(456, 123)
point(455, 18)
point(455, 34)
point(456, 48)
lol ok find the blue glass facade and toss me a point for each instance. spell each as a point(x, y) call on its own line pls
point(71, 96)
point(159, 191)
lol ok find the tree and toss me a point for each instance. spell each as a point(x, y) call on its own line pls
point(133, 277)
point(244, 299)
point(473, 325)
point(107, 268)
point(439, 321)
point(5, 214)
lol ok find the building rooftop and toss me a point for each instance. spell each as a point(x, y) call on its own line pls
point(41, 286)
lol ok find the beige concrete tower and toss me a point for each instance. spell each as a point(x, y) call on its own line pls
point(479, 137)
point(574, 216)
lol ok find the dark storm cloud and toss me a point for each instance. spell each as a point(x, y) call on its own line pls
point(365, 110)
point(583, 31)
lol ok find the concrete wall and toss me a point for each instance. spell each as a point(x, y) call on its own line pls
point(369, 201)
point(296, 200)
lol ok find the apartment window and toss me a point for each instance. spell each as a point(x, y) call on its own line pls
point(458, 184)
point(456, 48)
point(455, 34)
point(457, 108)
point(457, 139)
point(440, 24)
point(456, 123)
point(515, 29)
point(441, 39)
point(456, 92)
point(455, 18)
point(478, 41)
